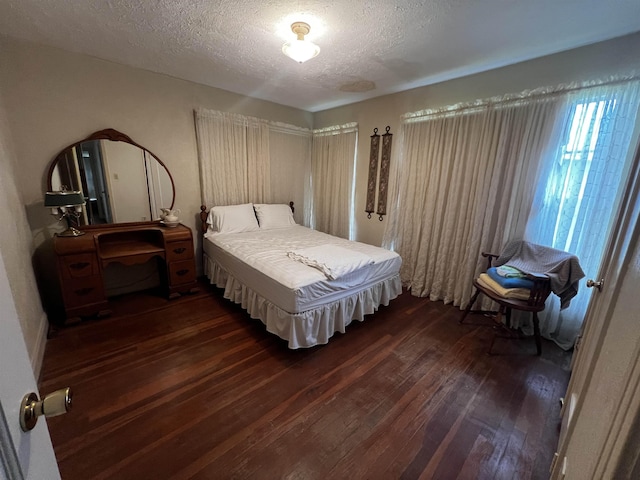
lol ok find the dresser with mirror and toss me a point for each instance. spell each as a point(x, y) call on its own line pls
point(125, 187)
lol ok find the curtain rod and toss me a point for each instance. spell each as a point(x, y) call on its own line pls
point(335, 129)
point(513, 98)
point(246, 120)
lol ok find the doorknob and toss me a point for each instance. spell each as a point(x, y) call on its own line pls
point(598, 285)
point(52, 405)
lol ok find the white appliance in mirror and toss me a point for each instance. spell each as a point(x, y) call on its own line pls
point(120, 180)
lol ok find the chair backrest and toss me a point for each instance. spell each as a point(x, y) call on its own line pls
point(562, 268)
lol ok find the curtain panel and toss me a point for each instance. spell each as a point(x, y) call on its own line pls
point(246, 159)
point(333, 157)
point(463, 184)
point(583, 177)
point(234, 158)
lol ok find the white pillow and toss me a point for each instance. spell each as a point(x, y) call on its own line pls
point(274, 216)
point(232, 219)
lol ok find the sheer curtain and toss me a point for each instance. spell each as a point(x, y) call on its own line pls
point(464, 182)
point(234, 158)
point(582, 179)
point(246, 159)
point(290, 152)
point(333, 156)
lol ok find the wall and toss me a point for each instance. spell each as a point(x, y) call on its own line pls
point(54, 98)
point(16, 250)
point(592, 62)
point(57, 98)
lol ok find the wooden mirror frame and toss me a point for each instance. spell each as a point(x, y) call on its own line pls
point(115, 136)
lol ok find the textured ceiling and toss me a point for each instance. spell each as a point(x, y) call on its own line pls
point(391, 46)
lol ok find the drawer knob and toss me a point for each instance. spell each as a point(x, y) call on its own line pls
point(179, 250)
point(182, 272)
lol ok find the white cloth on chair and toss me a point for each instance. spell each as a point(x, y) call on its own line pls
point(562, 268)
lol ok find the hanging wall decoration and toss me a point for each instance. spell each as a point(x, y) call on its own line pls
point(384, 173)
point(373, 173)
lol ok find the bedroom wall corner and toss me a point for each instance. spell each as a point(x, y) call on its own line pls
point(16, 248)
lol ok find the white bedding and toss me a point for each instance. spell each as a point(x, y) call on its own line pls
point(332, 260)
point(295, 301)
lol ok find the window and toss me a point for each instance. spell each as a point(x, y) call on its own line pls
point(579, 189)
point(571, 178)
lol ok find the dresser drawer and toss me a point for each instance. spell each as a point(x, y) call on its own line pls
point(177, 251)
point(182, 272)
point(83, 291)
point(80, 261)
point(81, 265)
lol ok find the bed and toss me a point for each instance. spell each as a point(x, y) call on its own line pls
point(304, 285)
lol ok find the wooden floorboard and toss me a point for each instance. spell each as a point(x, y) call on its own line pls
point(194, 389)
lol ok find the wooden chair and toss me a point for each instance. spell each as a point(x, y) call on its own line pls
point(534, 304)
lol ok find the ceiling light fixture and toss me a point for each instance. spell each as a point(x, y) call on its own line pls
point(300, 49)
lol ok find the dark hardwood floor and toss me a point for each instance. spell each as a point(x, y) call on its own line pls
point(194, 388)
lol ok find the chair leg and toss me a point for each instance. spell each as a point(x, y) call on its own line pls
point(502, 311)
point(536, 333)
point(471, 302)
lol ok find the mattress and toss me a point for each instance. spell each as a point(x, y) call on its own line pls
point(259, 260)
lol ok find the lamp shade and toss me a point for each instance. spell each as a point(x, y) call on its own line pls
point(63, 199)
point(300, 49)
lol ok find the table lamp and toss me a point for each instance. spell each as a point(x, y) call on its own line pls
point(66, 204)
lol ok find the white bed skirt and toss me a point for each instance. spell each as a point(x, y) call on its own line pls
point(313, 327)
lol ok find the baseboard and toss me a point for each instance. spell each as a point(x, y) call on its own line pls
point(37, 354)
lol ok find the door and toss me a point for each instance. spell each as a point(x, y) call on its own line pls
point(602, 400)
point(23, 455)
point(94, 173)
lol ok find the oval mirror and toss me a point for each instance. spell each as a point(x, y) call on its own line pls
point(121, 181)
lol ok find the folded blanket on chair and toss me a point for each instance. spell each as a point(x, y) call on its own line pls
point(509, 282)
point(562, 268)
point(510, 272)
point(332, 260)
point(517, 293)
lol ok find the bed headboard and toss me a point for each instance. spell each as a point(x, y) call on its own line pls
point(204, 213)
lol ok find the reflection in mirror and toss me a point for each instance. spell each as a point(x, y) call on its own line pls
point(121, 181)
